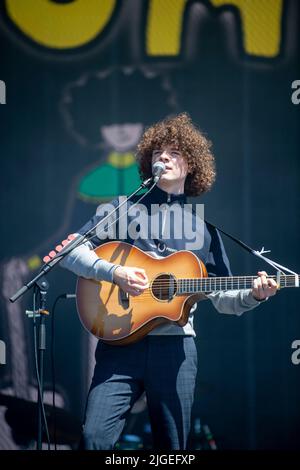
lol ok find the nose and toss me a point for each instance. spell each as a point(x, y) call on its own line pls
point(165, 157)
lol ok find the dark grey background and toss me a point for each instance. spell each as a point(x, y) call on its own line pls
point(248, 388)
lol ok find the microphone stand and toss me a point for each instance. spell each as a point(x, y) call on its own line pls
point(41, 286)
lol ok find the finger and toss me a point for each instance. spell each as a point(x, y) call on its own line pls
point(257, 283)
point(139, 293)
point(140, 272)
point(58, 248)
point(257, 290)
point(264, 282)
point(46, 259)
point(52, 254)
point(134, 282)
point(262, 273)
point(140, 283)
point(130, 291)
point(138, 287)
point(262, 277)
point(272, 287)
point(134, 292)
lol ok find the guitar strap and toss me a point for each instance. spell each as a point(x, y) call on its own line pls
point(236, 240)
point(259, 254)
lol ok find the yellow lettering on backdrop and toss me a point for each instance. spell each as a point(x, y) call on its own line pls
point(71, 25)
point(164, 26)
point(261, 25)
point(61, 25)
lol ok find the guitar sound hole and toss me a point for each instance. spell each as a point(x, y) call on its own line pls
point(164, 287)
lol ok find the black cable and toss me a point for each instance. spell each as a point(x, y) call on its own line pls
point(52, 359)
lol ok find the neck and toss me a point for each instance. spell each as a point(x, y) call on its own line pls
point(212, 284)
point(171, 187)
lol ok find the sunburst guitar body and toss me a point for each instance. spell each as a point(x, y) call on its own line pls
point(115, 317)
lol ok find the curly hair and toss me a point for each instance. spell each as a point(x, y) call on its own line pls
point(180, 132)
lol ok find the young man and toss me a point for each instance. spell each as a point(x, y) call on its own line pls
point(164, 363)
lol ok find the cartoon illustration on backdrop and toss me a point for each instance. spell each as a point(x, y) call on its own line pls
point(106, 112)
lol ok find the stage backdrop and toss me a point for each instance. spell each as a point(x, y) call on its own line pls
point(79, 83)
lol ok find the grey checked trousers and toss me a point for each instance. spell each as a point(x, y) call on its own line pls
point(165, 368)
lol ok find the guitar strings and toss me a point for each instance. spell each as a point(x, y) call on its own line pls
point(211, 280)
point(228, 280)
point(164, 285)
point(234, 278)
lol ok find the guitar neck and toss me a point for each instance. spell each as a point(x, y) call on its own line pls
point(210, 284)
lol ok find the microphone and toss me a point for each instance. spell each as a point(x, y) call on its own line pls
point(157, 170)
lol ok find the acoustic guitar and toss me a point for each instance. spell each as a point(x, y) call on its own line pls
point(176, 282)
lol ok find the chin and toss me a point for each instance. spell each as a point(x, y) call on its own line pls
point(167, 177)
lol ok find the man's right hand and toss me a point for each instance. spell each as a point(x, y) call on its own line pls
point(131, 280)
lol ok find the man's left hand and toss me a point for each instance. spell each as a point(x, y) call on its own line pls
point(263, 287)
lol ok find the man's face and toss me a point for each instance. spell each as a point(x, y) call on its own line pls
point(175, 163)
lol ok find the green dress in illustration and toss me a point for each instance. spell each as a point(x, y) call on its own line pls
point(117, 176)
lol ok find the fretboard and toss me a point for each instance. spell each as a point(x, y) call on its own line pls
point(210, 284)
